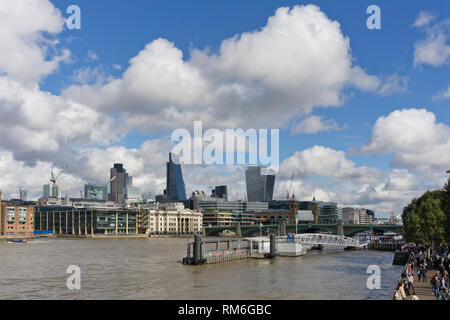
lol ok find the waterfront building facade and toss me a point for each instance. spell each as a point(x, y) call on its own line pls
point(170, 219)
point(259, 186)
point(217, 217)
point(16, 219)
point(68, 220)
point(175, 188)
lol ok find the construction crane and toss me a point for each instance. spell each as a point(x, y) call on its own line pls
point(53, 180)
point(288, 193)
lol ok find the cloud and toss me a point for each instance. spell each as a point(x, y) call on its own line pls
point(314, 124)
point(298, 61)
point(414, 137)
point(28, 51)
point(442, 95)
point(327, 162)
point(423, 19)
point(434, 49)
point(36, 123)
point(393, 84)
point(92, 55)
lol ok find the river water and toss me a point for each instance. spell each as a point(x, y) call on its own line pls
point(152, 269)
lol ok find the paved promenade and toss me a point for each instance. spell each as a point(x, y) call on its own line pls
point(423, 288)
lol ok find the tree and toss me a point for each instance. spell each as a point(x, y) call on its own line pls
point(446, 209)
point(427, 219)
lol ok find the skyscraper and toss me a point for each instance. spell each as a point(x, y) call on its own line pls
point(50, 191)
point(118, 183)
point(175, 189)
point(220, 192)
point(259, 186)
point(23, 194)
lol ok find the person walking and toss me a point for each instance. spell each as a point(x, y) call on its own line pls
point(410, 279)
point(435, 285)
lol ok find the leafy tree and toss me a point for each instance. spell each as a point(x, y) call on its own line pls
point(427, 219)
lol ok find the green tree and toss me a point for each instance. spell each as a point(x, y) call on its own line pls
point(427, 219)
point(446, 209)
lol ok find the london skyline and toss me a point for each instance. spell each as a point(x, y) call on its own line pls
point(363, 114)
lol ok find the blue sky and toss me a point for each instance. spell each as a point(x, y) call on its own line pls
point(114, 32)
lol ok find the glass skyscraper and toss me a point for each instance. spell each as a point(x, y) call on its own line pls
point(175, 189)
point(259, 186)
point(96, 191)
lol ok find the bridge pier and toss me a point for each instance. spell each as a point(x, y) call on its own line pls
point(238, 230)
point(340, 228)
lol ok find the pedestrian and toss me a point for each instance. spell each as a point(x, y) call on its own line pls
point(399, 292)
point(435, 285)
point(410, 279)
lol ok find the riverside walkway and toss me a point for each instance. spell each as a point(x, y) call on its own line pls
point(423, 288)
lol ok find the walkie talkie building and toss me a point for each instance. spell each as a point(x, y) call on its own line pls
point(259, 186)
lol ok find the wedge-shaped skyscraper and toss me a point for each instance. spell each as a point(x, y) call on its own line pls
point(259, 185)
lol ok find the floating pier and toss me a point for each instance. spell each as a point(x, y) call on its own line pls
point(387, 245)
point(202, 251)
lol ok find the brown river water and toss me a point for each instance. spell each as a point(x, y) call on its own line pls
point(152, 269)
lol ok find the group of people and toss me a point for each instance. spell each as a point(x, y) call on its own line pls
point(421, 260)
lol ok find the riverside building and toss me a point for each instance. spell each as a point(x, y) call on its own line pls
point(16, 218)
point(170, 219)
point(86, 221)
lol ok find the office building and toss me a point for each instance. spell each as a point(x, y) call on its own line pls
point(118, 177)
point(50, 191)
point(259, 186)
point(134, 195)
point(170, 219)
point(217, 217)
point(23, 194)
point(242, 211)
point(356, 216)
point(220, 192)
point(328, 212)
point(175, 189)
point(96, 191)
point(350, 215)
point(83, 221)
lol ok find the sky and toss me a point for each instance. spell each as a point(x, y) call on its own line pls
point(363, 114)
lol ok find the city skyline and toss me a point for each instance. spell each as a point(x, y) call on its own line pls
point(364, 121)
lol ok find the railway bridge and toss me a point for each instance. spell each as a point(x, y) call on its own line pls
point(280, 229)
